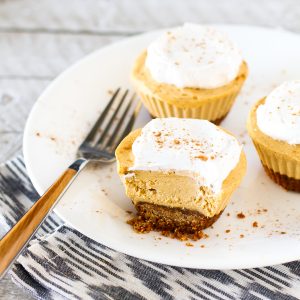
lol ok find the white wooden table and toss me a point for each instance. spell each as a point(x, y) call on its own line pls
point(39, 39)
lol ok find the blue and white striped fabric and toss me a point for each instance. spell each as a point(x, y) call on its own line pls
point(61, 263)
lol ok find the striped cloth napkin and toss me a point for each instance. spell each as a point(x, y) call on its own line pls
point(61, 263)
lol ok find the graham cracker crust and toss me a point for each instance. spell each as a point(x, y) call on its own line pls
point(290, 184)
point(216, 122)
point(173, 222)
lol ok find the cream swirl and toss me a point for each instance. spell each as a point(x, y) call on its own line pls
point(193, 56)
point(190, 146)
point(279, 116)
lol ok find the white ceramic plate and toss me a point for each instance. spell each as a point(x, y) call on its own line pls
point(96, 205)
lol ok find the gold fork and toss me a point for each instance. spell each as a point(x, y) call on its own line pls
point(114, 123)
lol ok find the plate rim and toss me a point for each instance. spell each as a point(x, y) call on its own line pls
point(97, 52)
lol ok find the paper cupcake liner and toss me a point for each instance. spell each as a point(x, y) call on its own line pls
point(214, 110)
point(281, 169)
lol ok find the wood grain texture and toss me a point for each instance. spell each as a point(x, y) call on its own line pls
point(16, 99)
point(111, 16)
point(39, 39)
point(43, 56)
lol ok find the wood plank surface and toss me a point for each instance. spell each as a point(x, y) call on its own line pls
point(39, 39)
point(134, 15)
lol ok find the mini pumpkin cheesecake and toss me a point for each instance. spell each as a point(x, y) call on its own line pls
point(179, 174)
point(274, 126)
point(191, 71)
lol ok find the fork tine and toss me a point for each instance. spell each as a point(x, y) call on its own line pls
point(129, 125)
point(96, 127)
point(108, 130)
point(112, 118)
point(114, 134)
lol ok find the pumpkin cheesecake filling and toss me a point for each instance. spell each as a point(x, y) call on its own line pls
point(179, 173)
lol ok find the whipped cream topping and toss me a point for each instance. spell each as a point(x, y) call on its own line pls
point(194, 147)
point(193, 56)
point(279, 116)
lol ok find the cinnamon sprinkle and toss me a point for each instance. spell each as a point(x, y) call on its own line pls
point(202, 157)
point(241, 215)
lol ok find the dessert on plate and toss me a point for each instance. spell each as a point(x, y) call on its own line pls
point(274, 126)
point(192, 71)
point(179, 174)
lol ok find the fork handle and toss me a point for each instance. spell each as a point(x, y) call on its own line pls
point(18, 237)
